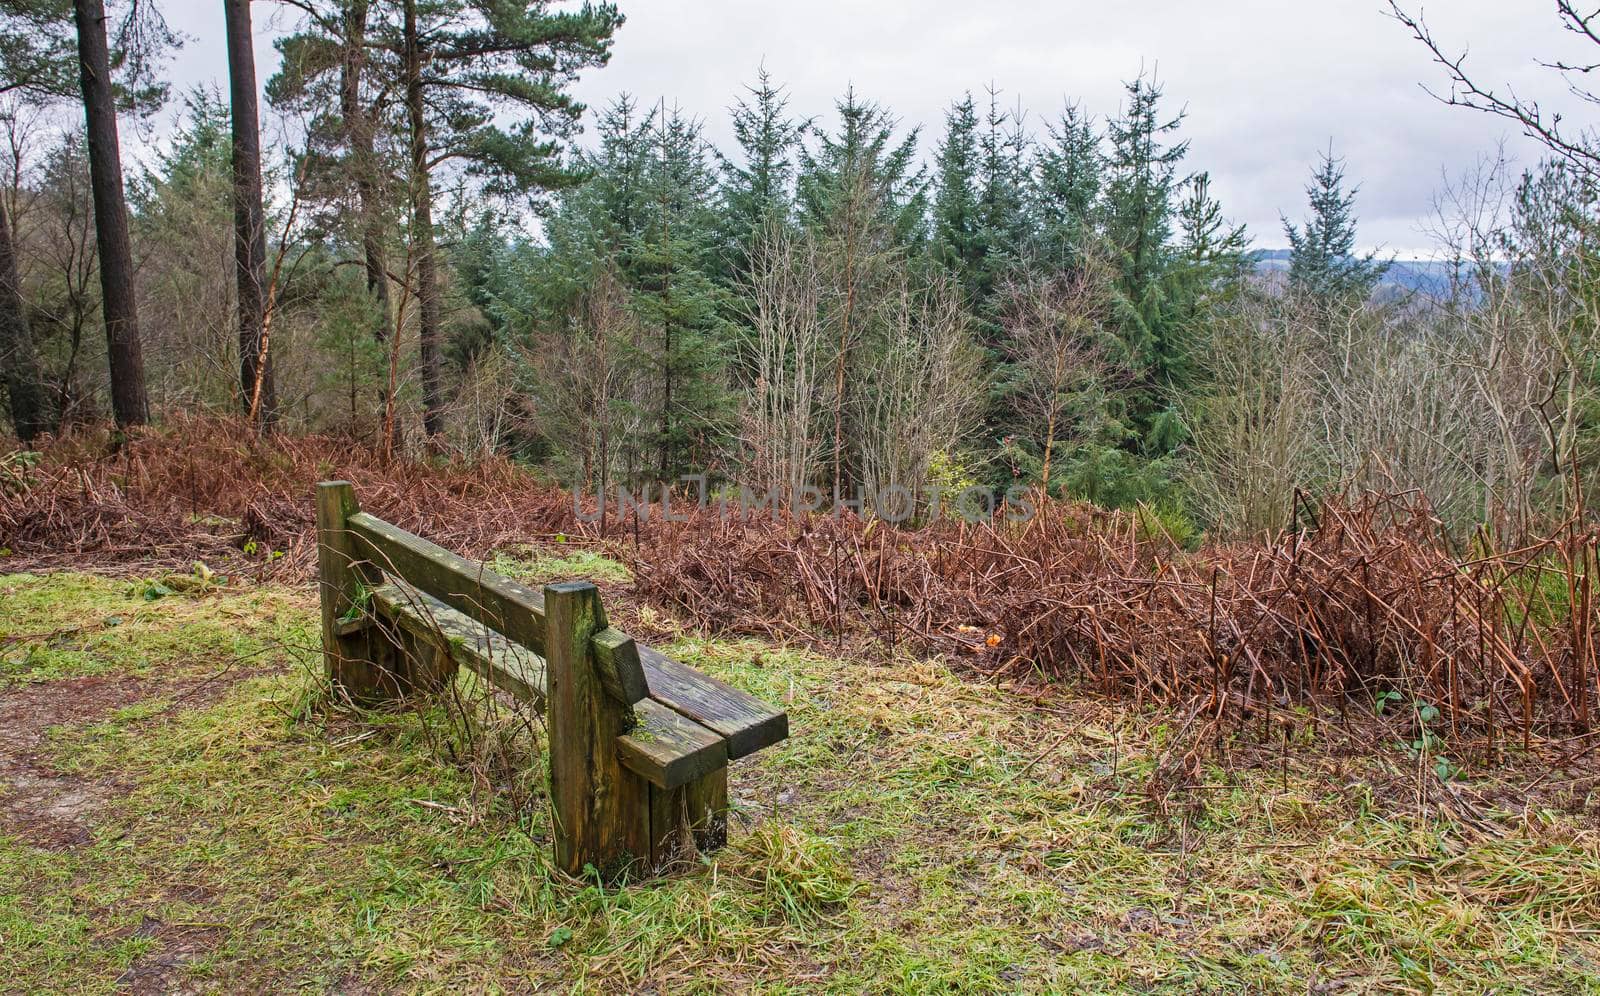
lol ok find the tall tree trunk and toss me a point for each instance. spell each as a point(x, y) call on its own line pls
point(249, 219)
point(422, 232)
point(364, 162)
point(18, 364)
point(129, 404)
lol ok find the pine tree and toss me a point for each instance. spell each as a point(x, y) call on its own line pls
point(485, 61)
point(130, 404)
point(1322, 261)
point(256, 388)
point(350, 163)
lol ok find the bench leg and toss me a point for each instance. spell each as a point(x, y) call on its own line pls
point(707, 799)
point(351, 655)
point(693, 817)
point(408, 664)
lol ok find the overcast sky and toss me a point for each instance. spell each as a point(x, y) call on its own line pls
point(1266, 84)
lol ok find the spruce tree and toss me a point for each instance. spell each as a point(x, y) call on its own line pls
point(1067, 177)
point(863, 159)
point(669, 262)
point(1137, 208)
point(957, 222)
point(863, 197)
point(1208, 261)
point(1002, 180)
point(1323, 264)
point(596, 222)
point(758, 188)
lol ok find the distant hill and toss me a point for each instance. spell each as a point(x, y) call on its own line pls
point(1426, 276)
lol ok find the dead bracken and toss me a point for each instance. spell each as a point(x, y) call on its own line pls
point(1362, 606)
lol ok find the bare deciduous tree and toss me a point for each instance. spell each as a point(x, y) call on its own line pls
point(1055, 324)
point(1581, 146)
point(921, 382)
point(782, 295)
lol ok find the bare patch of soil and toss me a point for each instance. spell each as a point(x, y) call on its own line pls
point(162, 970)
point(40, 804)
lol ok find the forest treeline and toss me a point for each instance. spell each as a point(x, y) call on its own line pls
point(428, 259)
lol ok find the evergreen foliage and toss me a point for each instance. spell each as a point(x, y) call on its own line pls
point(1323, 263)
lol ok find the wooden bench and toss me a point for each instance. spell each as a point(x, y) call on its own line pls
point(639, 743)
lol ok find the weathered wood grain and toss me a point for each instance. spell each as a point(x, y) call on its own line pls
point(639, 742)
point(706, 802)
point(504, 664)
point(601, 809)
point(665, 748)
point(748, 723)
point(347, 658)
point(670, 749)
point(620, 669)
point(500, 603)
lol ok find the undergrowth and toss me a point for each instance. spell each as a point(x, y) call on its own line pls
point(918, 833)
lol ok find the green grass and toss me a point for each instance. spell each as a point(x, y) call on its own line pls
point(539, 566)
point(917, 833)
point(60, 626)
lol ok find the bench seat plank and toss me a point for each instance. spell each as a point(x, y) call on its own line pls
point(668, 749)
point(748, 723)
point(504, 664)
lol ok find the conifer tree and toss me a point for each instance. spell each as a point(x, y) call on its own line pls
point(256, 385)
point(1208, 261)
point(1323, 264)
point(327, 73)
point(1002, 179)
point(119, 311)
point(467, 69)
point(862, 197)
point(677, 302)
point(1142, 174)
point(1067, 177)
point(595, 223)
point(863, 159)
point(758, 189)
point(957, 221)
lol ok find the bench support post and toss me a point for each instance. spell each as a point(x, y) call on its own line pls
point(346, 650)
point(601, 810)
